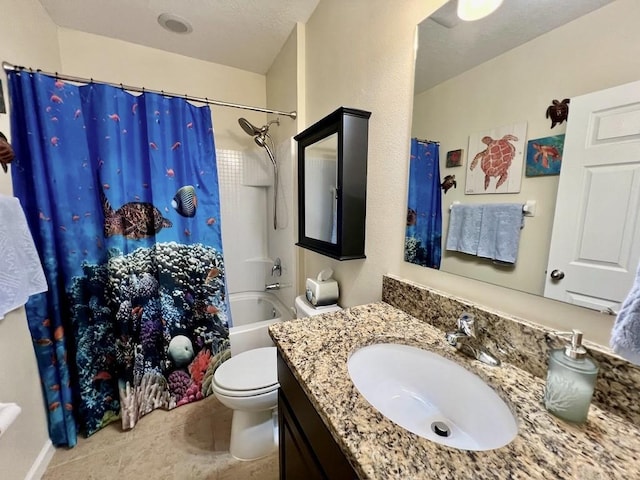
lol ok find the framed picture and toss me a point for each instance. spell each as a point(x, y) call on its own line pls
point(454, 158)
point(496, 159)
point(544, 156)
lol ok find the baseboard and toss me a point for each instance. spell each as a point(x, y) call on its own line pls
point(41, 462)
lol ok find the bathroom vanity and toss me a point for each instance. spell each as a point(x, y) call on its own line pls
point(326, 423)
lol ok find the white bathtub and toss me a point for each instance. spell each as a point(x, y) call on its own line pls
point(251, 314)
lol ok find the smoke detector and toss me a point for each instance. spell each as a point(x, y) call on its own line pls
point(174, 23)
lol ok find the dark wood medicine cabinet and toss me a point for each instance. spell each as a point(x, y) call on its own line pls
point(332, 184)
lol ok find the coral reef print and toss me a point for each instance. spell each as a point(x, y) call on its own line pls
point(171, 326)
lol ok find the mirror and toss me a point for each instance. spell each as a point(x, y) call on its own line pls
point(332, 184)
point(507, 69)
point(320, 189)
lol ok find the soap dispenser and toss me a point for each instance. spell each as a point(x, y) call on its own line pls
point(571, 379)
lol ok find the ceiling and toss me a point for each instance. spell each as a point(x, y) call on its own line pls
point(245, 34)
point(449, 46)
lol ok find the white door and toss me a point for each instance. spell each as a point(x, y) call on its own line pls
point(595, 244)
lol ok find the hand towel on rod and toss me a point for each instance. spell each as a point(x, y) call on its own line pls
point(500, 231)
point(21, 273)
point(464, 228)
point(625, 336)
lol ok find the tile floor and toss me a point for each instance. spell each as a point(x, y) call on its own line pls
point(187, 443)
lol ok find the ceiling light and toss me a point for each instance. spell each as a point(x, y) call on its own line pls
point(470, 10)
point(174, 23)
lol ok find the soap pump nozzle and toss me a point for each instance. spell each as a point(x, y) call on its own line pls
point(575, 349)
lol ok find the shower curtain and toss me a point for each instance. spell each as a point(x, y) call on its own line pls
point(423, 240)
point(121, 196)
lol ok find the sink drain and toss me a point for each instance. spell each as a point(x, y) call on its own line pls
point(441, 429)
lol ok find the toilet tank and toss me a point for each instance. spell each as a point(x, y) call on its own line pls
point(305, 309)
point(251, 315)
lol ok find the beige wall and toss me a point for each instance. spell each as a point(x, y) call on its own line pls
point(27, 37)
point(360, 54)
point(517, 87)
point(105, 59)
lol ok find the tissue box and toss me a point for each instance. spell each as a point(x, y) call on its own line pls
point(322, 292)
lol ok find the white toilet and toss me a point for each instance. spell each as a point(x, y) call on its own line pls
point(248, 384)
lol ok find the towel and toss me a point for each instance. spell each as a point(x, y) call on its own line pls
point(21, 273)
point(8, 413)
point(625, 336)
point(464, 228)
point(500, 231)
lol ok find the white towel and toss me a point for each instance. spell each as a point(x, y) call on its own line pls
point(464, 228)
point(500, 231)
point(8, 414)
point(21, 273)
point(625, 336)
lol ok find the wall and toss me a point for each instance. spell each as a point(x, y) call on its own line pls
point(474, 101)
point(27, 37)
point(282, 94)
point(360, 54)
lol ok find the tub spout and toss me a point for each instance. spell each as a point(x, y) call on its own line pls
point(272, 286)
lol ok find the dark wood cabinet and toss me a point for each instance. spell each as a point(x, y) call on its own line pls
point(307, 449)
point(332, 184)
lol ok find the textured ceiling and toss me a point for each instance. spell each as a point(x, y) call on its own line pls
point(246, 34)
point(448, 46)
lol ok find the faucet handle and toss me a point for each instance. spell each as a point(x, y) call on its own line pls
point(467, 324)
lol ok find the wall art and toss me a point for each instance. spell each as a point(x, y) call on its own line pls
point(544, 156)
point(496, 160)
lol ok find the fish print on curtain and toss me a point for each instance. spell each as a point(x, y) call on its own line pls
point(423, 240)
point(121, 195)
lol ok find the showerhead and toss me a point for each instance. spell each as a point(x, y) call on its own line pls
point(251, 129)
point(248, 127)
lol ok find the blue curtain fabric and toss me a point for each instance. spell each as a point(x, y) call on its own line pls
point(121, 196)
point(423, 240)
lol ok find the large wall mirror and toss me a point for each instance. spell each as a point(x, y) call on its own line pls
point(506, 69)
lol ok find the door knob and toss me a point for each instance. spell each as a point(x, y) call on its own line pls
point(557, 275)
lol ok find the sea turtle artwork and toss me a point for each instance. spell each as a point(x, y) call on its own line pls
point(543, 152)
point(496, 159)
point(448, 182)
point(558, 111)
point(134, 220)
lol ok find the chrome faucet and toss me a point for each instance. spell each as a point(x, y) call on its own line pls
point(272, 286)
point(276, 269)
point(465, 340)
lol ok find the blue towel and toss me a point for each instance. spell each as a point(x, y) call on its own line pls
point(500, 231)
point(625, 336)
point(464, 228)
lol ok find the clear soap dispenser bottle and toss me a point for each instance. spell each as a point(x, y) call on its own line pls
point(571, 379)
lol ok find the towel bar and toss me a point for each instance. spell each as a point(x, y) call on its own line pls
point(529, 208)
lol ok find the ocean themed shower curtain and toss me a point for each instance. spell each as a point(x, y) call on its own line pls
point(121, 195)
point(423, 240)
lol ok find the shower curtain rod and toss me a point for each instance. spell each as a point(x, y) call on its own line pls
point(8, 67)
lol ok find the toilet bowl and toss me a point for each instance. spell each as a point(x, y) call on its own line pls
point(247, 383)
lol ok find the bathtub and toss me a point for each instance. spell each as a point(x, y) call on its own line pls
point(251, 314)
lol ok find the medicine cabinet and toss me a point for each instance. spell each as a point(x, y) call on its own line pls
point(332, 184)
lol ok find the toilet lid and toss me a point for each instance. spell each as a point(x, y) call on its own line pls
point(249, 370)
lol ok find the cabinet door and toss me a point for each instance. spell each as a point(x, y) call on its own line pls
point(296, 458)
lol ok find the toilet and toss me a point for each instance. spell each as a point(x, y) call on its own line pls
point(247, 383)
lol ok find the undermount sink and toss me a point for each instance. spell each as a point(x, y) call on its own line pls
point(432, 397)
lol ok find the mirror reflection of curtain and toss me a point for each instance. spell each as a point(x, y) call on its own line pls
point(320, 194)
point(121, 196)
point(423, 240)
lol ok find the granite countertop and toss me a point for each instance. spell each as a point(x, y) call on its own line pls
point(546, 447)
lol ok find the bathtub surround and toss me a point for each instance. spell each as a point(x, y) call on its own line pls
point(317, 352)
point(519, 342)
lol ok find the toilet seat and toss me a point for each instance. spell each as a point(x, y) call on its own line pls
point(250, 373)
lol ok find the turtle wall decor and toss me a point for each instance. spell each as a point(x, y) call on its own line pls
point(558, 111)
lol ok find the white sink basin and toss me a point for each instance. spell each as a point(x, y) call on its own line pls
point(432, 397)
